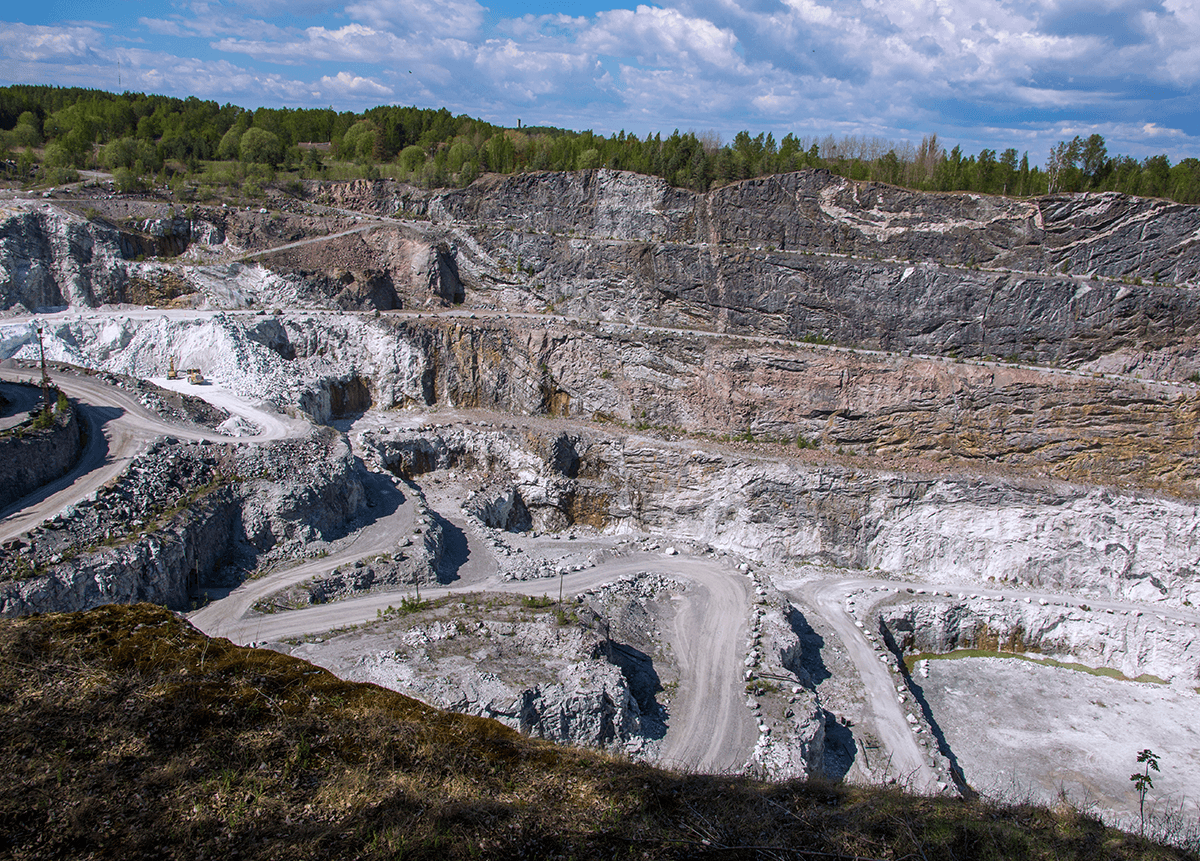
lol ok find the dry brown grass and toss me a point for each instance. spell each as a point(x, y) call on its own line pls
point(128, 733)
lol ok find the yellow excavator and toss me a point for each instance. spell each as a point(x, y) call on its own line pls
point(194, 376)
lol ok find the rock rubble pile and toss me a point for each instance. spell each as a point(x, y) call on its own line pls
point(588, 675)
point(177, 517)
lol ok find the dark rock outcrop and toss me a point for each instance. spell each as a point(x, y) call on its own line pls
point(30, 458)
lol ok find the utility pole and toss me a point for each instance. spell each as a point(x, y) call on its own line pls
point(45, 376)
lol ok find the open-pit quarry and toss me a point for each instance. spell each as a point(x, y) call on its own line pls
point(797, 477)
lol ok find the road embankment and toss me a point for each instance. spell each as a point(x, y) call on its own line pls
point(37, 452)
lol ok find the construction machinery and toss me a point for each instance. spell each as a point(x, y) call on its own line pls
point(172, 374)
point(195, 377)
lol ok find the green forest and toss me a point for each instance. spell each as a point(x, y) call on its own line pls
point(48, 134)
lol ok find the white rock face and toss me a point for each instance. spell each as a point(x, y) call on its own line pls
point(1092, 542)
point(255, 358)
point(589, 704)
point(1133, 643)
point(50, 259)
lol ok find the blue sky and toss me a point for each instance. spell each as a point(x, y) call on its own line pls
point(994, 73)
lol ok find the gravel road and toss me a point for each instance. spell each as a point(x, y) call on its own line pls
point(908, 761)
point(710, 729)
point(118, 428)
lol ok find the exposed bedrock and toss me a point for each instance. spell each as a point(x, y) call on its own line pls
point(559, 678)
point(1133, 642)
point(163, 567)
point(49, 259)
point(30, 458)
point(791, 713)
point(810, 210)
point(337, 397)
point(177, 517)
point(1071, 426)
point(168, 237)
point(53, 258)
point(944, 529)
point(814, 254)
point(587, 701)
point(800, 255)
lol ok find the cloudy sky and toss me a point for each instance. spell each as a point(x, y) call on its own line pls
point(997, 73)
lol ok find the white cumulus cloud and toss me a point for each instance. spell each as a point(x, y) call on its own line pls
point(346, 84)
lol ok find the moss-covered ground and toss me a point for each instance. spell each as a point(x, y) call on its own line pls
point(126, 733)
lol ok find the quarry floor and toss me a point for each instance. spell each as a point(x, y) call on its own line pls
point(1021, 730)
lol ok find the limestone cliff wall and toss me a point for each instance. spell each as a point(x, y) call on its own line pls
point(163, 567)
point(812, 254)
point(1135, 643)
point(1069, 278)
point(1073, 426)
point(941, 529)
point(51, 260)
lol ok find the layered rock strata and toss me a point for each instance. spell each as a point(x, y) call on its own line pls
point(938, 528)
point(912, 411)
point(1068, 279)
point(811, 254)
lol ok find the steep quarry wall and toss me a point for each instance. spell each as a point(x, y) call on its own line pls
point(940, 529)
point(1135, 643)
point(30, 458)
point(163, 567)
point(53, 257)
point(811, 254)
point(1069, 279)
point(1071, 426)
point(50, 259)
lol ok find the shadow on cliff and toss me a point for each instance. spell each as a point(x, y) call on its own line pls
point(456, 550)
point(644, 684)
point(840, 748)
point(809, 659)
point(956, 772)
point(240, 556)
point(381, 498)
point(93, 454)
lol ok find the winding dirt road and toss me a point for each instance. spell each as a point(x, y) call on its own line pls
point(710, 728)
point(908, 759)
point(118, 428)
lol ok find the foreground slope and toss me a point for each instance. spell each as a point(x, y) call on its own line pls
point(127, 731)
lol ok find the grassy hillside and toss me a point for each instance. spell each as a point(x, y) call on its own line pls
point(127, 733)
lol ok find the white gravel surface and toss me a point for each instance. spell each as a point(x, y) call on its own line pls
point(1020, 729)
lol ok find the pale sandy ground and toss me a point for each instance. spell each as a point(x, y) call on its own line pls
point(1019, 730)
